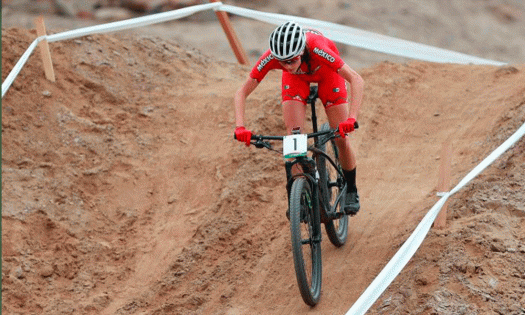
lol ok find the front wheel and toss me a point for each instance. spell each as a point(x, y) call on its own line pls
point(306, 241)
point(330, 186)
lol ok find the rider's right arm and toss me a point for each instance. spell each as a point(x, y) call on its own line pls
point(240, 99)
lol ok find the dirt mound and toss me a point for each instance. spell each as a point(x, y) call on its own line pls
point(124, 192)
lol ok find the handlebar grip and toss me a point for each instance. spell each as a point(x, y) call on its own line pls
point(235, 136)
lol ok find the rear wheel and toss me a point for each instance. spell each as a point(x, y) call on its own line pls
point(330, 186)
point(306, 241)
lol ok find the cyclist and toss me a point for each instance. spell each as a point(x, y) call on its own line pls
point(306, 56)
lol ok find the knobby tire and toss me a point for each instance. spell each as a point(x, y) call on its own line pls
point(306, 241)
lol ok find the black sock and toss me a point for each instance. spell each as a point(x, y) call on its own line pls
point(350, 180)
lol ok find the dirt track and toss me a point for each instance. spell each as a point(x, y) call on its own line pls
point(124, 193)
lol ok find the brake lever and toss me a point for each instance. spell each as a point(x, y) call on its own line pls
point(259, 144)
point(338, 135)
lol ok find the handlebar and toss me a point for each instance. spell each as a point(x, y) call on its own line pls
point(260, 143)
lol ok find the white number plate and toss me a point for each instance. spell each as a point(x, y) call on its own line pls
point(295, 145)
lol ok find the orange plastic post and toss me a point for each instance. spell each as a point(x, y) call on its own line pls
point(44, 49)
point(444, 183)
point(239, 52)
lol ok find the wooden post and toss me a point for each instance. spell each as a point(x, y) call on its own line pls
point(232, 37)
point(444, 183)
point(44, 49)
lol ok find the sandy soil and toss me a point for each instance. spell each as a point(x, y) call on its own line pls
point(123, 191)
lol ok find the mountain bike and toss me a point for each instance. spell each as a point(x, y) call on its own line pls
point(315, 195)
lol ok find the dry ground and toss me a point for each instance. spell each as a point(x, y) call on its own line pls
point(123, 191)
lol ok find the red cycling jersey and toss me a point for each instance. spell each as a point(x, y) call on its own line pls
point(319, 64)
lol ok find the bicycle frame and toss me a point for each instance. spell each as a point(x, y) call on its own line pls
point(308, 164)
point(310, 172)
point(309, 182)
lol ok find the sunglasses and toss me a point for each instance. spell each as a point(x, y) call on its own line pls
point(290, 61)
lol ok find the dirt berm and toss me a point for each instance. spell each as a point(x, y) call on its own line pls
point(123, 191)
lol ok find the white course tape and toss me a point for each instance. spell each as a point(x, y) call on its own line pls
point(16, 70)
point(343, 34)
point(104, 28)
point(367, 40)
point(491, 158)
point(397, 263)
point(132, 23)
point(405, 253)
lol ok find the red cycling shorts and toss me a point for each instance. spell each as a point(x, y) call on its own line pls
point(332, 87)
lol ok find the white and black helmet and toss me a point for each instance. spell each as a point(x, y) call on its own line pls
point(287, 41)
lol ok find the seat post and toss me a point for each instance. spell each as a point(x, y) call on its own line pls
point(311, 99)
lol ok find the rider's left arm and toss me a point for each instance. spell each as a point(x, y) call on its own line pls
point(356, 88)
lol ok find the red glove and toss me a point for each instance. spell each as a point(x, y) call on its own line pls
point(243, 135)
point(346, 127)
